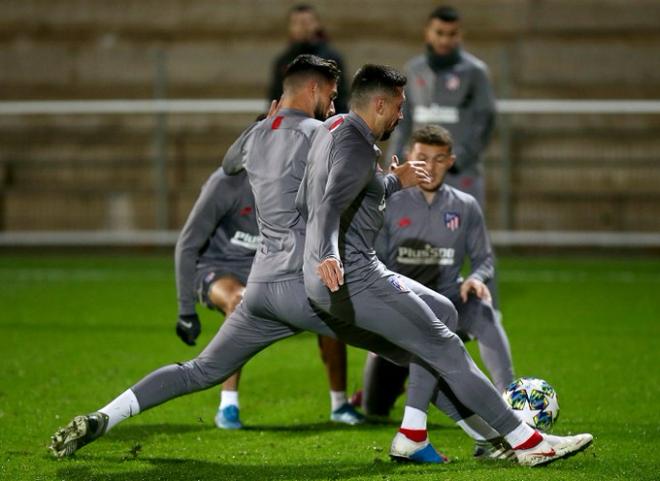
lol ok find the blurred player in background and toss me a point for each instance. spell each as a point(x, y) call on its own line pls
point(213, 258)
point(428, 233)
point(307, 36)
point(450, 87)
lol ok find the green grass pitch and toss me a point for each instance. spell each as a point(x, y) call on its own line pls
point(77, 330)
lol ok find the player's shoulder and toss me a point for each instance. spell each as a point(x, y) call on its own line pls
point(416, 64)
point(456, 196)
point(472, 62)
point(220, 180)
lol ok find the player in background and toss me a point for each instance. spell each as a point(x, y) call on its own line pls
point(428, 234)
point(343, 195)
point(213, 257)
point(450, 87)
point(307, 36)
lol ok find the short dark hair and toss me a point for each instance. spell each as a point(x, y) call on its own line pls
point(445, 13)
point(302, 7)
point(307, 65)
point(371, 78)
point(432, 135)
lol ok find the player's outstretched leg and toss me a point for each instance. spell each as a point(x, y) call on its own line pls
point(241, 337)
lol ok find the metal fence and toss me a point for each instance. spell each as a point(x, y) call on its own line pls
point(127, 172)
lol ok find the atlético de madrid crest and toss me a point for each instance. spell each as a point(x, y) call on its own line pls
point(452, 82)
point(452, 220)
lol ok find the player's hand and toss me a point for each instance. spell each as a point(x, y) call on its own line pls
point(188, 328)
point(331, 273)
point(411, 173)
point(476, 287)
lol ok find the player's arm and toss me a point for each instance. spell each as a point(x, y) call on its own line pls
point(480, 252)
point(482, 112)
point(351, 167)
point(211, 205)
point(234, 160)
point(383, 246)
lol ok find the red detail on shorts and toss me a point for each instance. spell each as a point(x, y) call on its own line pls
point(404, 222)
point(533, 440)
point(336, 123)
point(466, 182)
point(247, 210)
point(420, 81)
point(277, 122)
point(417, 435)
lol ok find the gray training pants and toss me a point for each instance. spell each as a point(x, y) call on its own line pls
point(269, 312)
point(390, 308)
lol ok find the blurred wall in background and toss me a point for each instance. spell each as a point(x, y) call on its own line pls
point(568, 172)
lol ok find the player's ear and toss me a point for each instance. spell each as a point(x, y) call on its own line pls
point(380, 105)
point(452, 159)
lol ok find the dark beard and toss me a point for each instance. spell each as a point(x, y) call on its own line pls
point(386, 135)
point(320, 114)
point(441, 62)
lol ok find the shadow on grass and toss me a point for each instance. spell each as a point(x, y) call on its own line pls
point(143, 432)
point(173, 469)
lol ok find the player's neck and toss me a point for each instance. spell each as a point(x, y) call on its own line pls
point(297, 103)
point(370, 119)
point(429, 195)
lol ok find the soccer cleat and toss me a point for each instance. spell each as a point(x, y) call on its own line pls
point(406, 450)
point(346, 414)
point(80, 431)
point(552, 448)
point(228, 418)
point(496, 449)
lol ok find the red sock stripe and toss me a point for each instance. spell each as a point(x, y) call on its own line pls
point(533, 440)
point(417, 435)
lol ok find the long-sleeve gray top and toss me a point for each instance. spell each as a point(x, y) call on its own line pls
point(343, 195)
point(430, 242)
point(275, 160)
point(459, 97)
point(221, 231)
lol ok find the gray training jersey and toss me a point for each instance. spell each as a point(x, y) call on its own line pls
point(429, 242)
point(221, 231)
point(344, 195)
point(275, 162)
point(459, 97)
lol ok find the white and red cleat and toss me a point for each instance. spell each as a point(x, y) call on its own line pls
point(542, 449)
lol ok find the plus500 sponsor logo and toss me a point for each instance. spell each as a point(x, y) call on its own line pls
point(246, 240)
point(426, 256)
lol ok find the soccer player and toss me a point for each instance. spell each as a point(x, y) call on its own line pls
point(307, 35)
point(213, 257)
point(428, 233)
point(344, 194)
point(450, 87)
point(274, 304)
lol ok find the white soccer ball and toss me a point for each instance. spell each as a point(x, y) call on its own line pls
point(534, 401)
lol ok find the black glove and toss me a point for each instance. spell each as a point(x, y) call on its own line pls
point(188, 328)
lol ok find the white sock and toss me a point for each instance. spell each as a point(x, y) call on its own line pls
point(228, 398)
point(122, 407)
point(337, 399)
point(413, 418)
point(519, 435)
point(477, 428)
